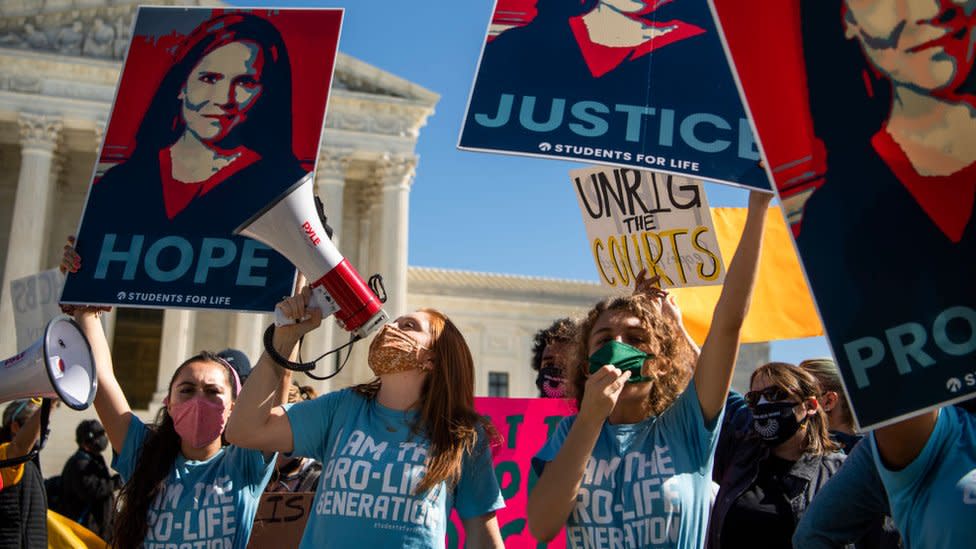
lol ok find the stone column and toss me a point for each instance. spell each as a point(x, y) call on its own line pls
point(176, 346)
point(330, 184)
point(396, 176)
point(39, 135)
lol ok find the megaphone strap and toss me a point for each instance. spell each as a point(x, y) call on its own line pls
point(305, 367)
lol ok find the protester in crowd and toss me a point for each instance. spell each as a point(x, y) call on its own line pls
point(23, 507)
point(87, 486)
point(551, 348)
point(840, 420)
point(294, 473)
point(653, 438)
point(409, 443)
point(239, 361)
point(769, 476)
point(178, 471)
point(928, 467)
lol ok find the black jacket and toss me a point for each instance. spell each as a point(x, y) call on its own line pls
point(23, 512)
point(738, 459)
point(88, 492)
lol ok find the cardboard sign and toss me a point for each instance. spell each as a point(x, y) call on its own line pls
point(644, 86)
point(886, 229)
point(35, 299)
point(218, 114)
point(643, 220)
point(280, 520)
point(524, 425)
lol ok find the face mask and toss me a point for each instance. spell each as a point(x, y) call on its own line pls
point(550, 382)
point(394, 351)
point(100, 443)
point(775, 422)
point(198, 421)
point(623, 356)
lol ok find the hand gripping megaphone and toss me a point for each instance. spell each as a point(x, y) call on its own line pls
point(291, 226)
point(58, 365)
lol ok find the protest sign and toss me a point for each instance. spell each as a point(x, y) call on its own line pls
point(885, 229)
point(645, 86)
point(643, 220)
point(35, 300)
point(524, 425)
point(218, 113)
point(280, 520)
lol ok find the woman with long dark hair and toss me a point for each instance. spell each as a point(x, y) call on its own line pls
point(398, 452)
point(634, 465)
point(769, 474)
point(219, 126)
point(183, 482)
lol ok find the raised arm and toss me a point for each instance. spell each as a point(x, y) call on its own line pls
point(713, 374)
point(26, 437)
point(258, 421)
point(554, 495)
point(110, 403)
point(900, 443)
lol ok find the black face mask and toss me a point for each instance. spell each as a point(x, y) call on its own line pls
point(100, 443)
point(775, 422)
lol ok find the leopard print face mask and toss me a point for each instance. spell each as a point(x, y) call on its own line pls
point(393, 351)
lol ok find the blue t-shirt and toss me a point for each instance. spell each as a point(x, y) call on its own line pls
point(372, 462)
point(208, 503)
point(647, 484)
point(933, 499)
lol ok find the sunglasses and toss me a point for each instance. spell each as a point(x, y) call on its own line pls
point(771, 394)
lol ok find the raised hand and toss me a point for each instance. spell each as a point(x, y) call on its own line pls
point(602, 391)
point(71, 263)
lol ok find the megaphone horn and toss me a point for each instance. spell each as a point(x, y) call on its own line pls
point(58, 365)
point(291, 226)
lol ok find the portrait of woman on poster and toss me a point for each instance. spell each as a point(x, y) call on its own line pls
point(893, 98)
point(218, 131)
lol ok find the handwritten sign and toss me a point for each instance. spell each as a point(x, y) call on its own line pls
point(280, 520)
point(524, 425)
point(35, 300)
point(637, 219)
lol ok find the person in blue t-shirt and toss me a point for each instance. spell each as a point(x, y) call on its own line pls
point(183, 486)
point(633, 468)
point(399, 453)
point(928, 467)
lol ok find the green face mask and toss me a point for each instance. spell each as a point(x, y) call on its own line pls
point(623, 356)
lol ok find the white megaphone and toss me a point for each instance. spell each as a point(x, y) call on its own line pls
point(291, 226)
point(58, 365)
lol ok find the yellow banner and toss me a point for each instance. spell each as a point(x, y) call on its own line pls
point(64, 533)
point(782, 307)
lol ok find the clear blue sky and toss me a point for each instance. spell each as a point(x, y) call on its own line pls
point(478, 211)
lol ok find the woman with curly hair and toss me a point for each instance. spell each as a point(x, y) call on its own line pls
point(398, 453)
point(633, 468)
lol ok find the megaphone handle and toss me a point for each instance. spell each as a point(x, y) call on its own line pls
point(320, 300)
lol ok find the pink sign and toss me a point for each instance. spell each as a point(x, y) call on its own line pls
point(524, 425)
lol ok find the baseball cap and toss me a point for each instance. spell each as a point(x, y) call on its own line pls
point(238, 360)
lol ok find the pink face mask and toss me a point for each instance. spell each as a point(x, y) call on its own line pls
point(198, 421)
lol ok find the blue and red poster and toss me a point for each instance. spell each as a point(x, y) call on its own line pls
point(218, 113)
point(867, 118)
point(634, 83)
